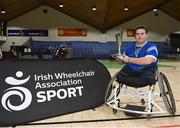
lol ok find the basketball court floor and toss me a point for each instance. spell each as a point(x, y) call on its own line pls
point(103, 117)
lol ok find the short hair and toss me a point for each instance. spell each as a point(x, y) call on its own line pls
point(141, 27)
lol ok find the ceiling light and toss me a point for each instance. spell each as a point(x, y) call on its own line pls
point(155, 10)
point(126, 8)
point(94, 8)
point(61, 5)
point(3, 11)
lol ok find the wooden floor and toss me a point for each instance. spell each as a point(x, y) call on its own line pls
point(106, 119)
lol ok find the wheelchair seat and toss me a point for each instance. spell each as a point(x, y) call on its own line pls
point(136, 82)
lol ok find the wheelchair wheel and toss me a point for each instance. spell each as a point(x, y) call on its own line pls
point(167, 94)
point(111, 88)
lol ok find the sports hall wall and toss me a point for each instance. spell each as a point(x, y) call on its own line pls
point(159, 27)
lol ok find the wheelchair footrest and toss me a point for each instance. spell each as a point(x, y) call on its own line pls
point(135, 108)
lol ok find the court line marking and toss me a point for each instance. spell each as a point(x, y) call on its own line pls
point(100, 120)
point(168, 126)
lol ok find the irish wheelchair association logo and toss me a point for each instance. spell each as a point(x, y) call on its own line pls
point(23, 93)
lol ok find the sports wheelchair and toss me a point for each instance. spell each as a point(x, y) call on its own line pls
point(117, 91)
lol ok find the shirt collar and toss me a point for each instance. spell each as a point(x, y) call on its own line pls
point(140, 46)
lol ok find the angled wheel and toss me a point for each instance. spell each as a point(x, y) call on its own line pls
point(109, 95)
point(167, 94)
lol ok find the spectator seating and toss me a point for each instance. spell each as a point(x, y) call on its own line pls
point(94, 49)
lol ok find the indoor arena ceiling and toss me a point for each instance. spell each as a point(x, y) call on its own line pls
point(109, 13)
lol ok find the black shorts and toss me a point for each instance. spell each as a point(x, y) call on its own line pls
point(137, 78)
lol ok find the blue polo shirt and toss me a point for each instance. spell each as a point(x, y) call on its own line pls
point(147, 50)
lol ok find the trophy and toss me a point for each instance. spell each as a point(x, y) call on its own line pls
point(119, 41)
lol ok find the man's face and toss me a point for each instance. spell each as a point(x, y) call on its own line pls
point(140, 36)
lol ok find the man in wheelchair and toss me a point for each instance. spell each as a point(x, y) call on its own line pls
point(140, 70)
point(140, 61)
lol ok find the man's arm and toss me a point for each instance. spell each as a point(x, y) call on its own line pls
point(138, 61)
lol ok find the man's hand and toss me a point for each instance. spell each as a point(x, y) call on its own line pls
point(118, 58)
point(125, 59)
